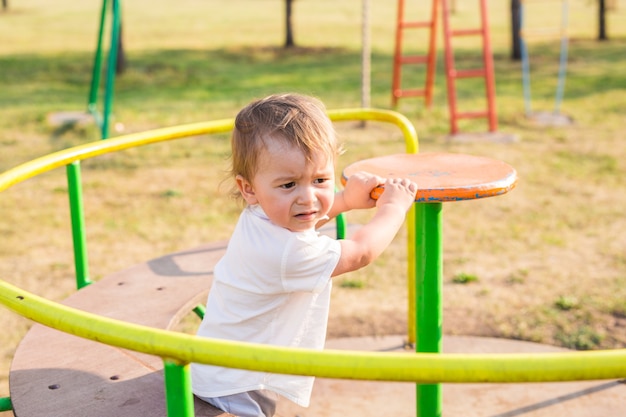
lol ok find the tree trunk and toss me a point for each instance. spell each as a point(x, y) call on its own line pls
point(5, 4)
point(602, 35)
point(516, 25)
point(289, 42)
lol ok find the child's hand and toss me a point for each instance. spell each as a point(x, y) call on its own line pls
point(359, 186)
point(398, 191)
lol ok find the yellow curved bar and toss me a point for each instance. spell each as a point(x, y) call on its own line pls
point(389, 116)
point(412, 146)
point(61, 158)
point(407, 367)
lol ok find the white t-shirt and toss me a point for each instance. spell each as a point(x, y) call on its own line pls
point(272, 287)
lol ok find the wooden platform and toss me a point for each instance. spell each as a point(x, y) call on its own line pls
point(56, 374)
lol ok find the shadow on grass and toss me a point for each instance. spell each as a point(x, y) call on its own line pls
point(164, 79)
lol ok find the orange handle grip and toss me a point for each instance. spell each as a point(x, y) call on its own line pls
point(377, 192)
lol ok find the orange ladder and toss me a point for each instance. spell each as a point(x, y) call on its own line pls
point(486, 72)
point(399, 59)
point(452, 74)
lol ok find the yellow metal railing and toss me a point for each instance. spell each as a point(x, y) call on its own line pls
point(387, 366)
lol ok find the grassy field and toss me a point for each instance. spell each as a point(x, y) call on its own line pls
point(545, 263)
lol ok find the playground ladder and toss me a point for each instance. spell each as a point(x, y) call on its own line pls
point(399, 59)
point(452, 74)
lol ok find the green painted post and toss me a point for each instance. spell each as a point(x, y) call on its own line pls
point(340, 222)
point(200, 310)
point(178, 389)
point(428, 289)
point(77, 214)
point(110, 78)
point(5, 404)
point(97, 63)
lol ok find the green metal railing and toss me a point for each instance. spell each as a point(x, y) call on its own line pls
point(179, 350)
point(103, 120)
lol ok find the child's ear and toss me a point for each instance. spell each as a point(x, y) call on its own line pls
point(247, 191)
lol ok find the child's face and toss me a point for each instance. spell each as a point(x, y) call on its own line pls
point(295, 194)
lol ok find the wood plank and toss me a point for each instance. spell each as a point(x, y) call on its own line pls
point(58, 374)
point(90, 379)
point(156, 293)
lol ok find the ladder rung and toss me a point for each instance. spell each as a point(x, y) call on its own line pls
point(466, 32)
point(415, 59)
point(415, 25)
point(472, 114)
point(402, 58)
point(453, 73)
point(469, 73)
point(409, 93)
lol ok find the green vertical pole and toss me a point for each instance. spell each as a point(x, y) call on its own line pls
point(97, 67)
point(97, 62)
point(340, 223)
point(5, 404)
point(110, 77)
point(178, 389)
point(428, 288)
point(74, 187)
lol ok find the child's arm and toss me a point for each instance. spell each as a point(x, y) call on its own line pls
point(372, 239)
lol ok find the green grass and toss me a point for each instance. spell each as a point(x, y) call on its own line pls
point(463, 278)
point(561, 231)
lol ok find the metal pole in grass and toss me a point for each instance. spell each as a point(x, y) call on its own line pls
point(111, 66)
point(525, 64)
point(103, 121)
point(75, 193)
point(97, 63)
point(563, 57)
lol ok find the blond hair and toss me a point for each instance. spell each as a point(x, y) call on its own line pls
point(298, 120)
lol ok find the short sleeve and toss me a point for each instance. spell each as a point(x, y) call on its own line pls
point(308, 262)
